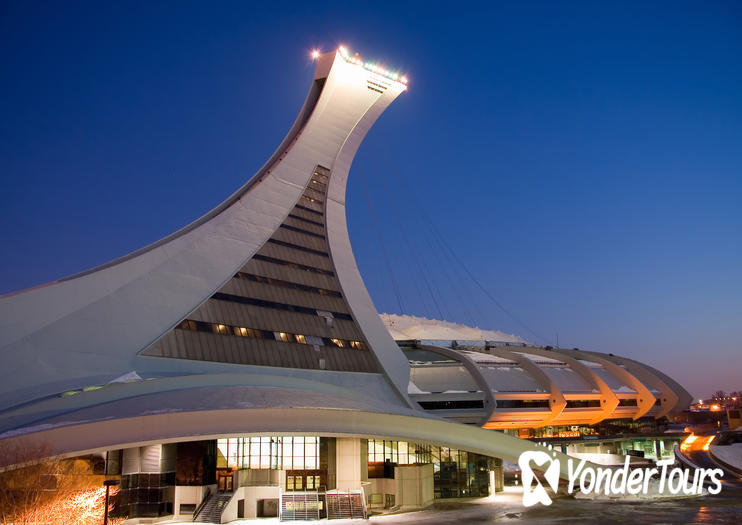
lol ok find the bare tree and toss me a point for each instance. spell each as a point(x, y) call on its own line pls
point(48, 492)
point(22, 485)
point(719, 395)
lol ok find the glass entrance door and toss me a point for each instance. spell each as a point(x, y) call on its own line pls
point(224, 480)
point(303, 480)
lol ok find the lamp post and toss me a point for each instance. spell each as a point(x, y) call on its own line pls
point(108, 484)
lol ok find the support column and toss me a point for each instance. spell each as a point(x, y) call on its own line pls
point(351, 463)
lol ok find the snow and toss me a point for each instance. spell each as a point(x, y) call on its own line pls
point(403, 327)
point(729, 454)
point(127, 377)
point(412, 388)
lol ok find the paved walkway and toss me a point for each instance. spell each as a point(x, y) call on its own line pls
point(506, 507)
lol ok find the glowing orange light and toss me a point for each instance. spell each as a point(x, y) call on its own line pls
point(79, 508)
point(715, 408)
point(708, 442)
point(688, 442)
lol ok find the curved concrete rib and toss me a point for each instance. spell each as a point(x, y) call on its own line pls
point(557, 403)
point(89, 329)
point(608, 400)
point(645, 398)
point(671, 398)
point(473, 369)
point(175, 427)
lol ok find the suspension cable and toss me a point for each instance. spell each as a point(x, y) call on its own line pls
point(460, 262)
point(381, 243)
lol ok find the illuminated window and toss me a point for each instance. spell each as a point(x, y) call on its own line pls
point(397, 452)
point(358, 345)
point(283, 336)
point(338, 342)
point(301, 339)
point(310, 199)
point(220, 328)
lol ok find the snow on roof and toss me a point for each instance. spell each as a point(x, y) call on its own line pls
point(403, 327)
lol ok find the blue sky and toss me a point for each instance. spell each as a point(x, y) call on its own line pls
point(584, 161)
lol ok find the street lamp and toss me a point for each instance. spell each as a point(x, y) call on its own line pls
point(108, 484)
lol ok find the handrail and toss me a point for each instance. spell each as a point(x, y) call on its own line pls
point(203, 503)
point(363, 502)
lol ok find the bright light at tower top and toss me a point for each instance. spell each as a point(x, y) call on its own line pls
point(392, 75)
point(315, 54)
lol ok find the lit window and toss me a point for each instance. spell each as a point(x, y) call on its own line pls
point(338, 342)
point(220, 328)
point(282, 336)
point(357, 345)
point(301, 339)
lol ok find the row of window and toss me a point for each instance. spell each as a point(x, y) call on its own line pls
point(544, 403)
point(318, 184)
point(314, 191)
point(300, 248)
point(310, 210)
point(286, 284)
point(321, 174)
point(294, 265)
point(277, 453)
point(584, 403)
point(518, 403)
point(398, 452)
point(304, 219)
point(278, 306)
point(451, 405)
point(311, 199)
point(522, 403)
point(302, 230)
point(286, 337)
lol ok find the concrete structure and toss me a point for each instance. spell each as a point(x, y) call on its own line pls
point(515, 385)
point(241, 358)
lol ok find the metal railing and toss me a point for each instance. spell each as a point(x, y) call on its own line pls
point(203, 503)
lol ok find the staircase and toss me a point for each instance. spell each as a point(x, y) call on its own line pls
point(210, 510)
point(350, 504)
point(299, 506)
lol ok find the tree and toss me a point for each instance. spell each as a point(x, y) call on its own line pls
point(48, 492)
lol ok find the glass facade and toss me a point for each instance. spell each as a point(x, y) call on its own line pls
point(456, 473)
point(460, 474)
point(277, 453)
point(398, 452)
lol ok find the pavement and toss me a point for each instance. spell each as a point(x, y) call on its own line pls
point(507, 507)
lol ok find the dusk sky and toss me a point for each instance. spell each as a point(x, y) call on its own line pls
point(583, 161)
